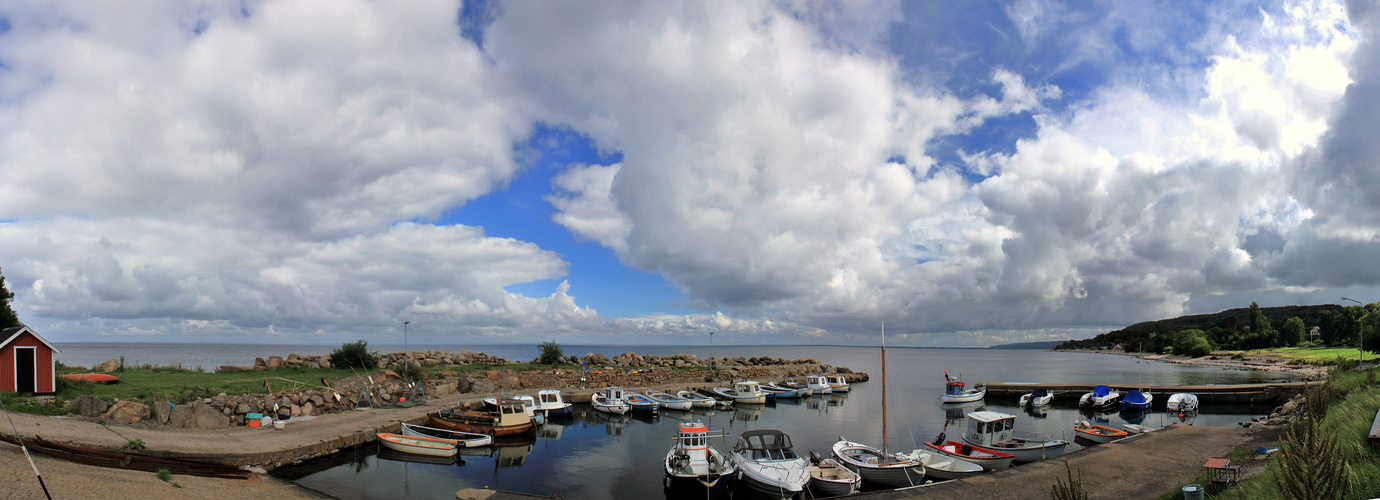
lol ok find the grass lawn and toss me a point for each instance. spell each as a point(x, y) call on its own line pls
point(1309, 355)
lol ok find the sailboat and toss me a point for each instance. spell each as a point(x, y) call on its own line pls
point(1140, 398)
point(892, 470)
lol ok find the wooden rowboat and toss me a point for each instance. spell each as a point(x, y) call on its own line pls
point(431, 447)
point(457, 438)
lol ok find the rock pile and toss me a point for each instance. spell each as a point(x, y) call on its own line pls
point(1294, 409)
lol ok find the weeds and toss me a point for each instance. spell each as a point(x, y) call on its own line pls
point(1072, 490)
point(165, 474)
point(135, 445)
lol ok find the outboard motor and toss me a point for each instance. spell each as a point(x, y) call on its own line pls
point(814, 457)
point(941, 439)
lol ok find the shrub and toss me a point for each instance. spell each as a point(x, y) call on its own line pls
point(1072, 490)
point(353, 354)
point(1313, 465)
point(551, 353)
point(164, 474)
point(409, 371)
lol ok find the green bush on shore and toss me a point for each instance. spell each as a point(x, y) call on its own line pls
point(354, 354)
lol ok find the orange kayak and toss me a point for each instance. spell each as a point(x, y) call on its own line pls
point(91, 377)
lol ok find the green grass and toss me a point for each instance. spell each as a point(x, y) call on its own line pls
point(1322, 356)
point(1349, 418)
point(179, 386)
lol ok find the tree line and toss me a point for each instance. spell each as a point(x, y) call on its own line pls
point(1247, 328)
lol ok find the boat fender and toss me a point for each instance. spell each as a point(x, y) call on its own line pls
point(668, 481)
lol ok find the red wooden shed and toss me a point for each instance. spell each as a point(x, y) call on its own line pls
point(27, 362)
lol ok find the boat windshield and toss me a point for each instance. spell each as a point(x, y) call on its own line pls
point(766, 445)
point(550, 398)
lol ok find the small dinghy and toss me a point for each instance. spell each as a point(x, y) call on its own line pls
point(1096, 434)
point(743, 392)
point(1136, 429)
point(805, 389)
point(829, 479)
point(457, 438)
point(783, 392)
point(610, 401)
point(640, 403)
point(417, 445)
point(697, 400)
point(1182, 402)
point(940, 467)
point(892, 470)
point(669, 401)
point(987, 458)
point(1036, 398)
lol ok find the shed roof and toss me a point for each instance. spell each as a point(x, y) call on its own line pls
point(11, 333)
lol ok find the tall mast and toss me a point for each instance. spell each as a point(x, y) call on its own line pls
point(883, 388)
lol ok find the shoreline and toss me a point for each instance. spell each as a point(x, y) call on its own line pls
point(1224, 360)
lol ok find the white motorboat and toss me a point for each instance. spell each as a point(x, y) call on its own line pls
point(940, 467)
point(668, 401)
point(819, 384)
point(838, 383)
point(457, 438)
point(830, 479)
point(768, 464)
point(1100, 397)
point(1182, 402)
point(892, 470)
point(955, 391)
point(748, 391)
point(693, 464)
point(417, 445)
point(995, 431)
point(610, 401)
point(697, 400)
point(1036, 398)
point(550, 403)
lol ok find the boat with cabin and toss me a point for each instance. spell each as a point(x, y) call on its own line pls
point(510, 419)
point(1182, 402)
point(838, 383)
point(1101, 397)
point(693, 465)
point(769, 465)
point(610, 401)
point(955, 391)
point(529, 406)
point(748, 391)
point(550, 404)
point(819, 384)
point(669, 401)
point(996, 431)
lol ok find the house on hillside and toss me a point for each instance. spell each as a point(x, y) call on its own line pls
point(1315, 332)
point(27, 362)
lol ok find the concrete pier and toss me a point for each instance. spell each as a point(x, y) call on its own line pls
point(1207, 394)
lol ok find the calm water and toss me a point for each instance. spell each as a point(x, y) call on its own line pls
point(595, 455)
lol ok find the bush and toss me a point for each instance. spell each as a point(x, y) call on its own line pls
point(353, 354)
point(551, 353)
point(409, 371)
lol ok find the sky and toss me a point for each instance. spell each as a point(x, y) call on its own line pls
point(610, 172)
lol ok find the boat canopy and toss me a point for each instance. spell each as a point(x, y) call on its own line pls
point(766, 444)
point(1040, 393)
point(1102, 390)
point(1136, 397)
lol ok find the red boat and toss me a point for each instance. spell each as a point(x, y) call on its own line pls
point(90, 377)
point(988, 458)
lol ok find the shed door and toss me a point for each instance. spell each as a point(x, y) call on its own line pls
point(24, 370)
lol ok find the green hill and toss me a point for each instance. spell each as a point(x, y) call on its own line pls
point(1229, 329)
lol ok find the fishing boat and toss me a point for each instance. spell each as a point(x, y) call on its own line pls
point(669, 401)
point(417, 445)
point(829, 479)
point(529, 406)
point(940, 467)
point(768, 464)
point(1100, 397)
point(1036, 398)
point(640, 403)
point(1182, 402)
point(697, 400)
point(550, 404)
point(838, 383)
point(1096, 433)
point(954, 391)
point(987, 458)
point(610, 401)
point(819, 384)
point(996, 431)
point(891, 470)
point(748, 391)
point(510, 420)
point(694, 466)
point(457, 438)
point(782, 392)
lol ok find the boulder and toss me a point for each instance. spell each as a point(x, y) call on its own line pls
point(88, 406)
point(108, 366)
point(483, 386)
point(128, 412)
point(274, 362)
point(443, 390)
point(162, 410)
point(307, 408)
point(464, 385)
point(207, 417)
point(182, 417)
point(242, 408)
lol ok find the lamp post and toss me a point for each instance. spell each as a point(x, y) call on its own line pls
point(405, 347)
point(711, 351)
point(1360, 334)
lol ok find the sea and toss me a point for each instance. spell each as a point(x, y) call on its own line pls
point(598, 456)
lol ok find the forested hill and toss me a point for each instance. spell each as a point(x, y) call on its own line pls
point(1227, 329)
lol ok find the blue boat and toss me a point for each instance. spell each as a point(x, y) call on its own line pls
point(640, 403)
point(1137, 400)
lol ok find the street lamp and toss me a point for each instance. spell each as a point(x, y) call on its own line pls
point(1360, 334)
point(405, 347)
point(711, 351)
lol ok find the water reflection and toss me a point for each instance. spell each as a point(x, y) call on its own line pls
point(748, 412)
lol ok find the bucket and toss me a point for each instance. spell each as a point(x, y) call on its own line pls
point(279, 424)
point(253, 422)
point(1193, 492)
